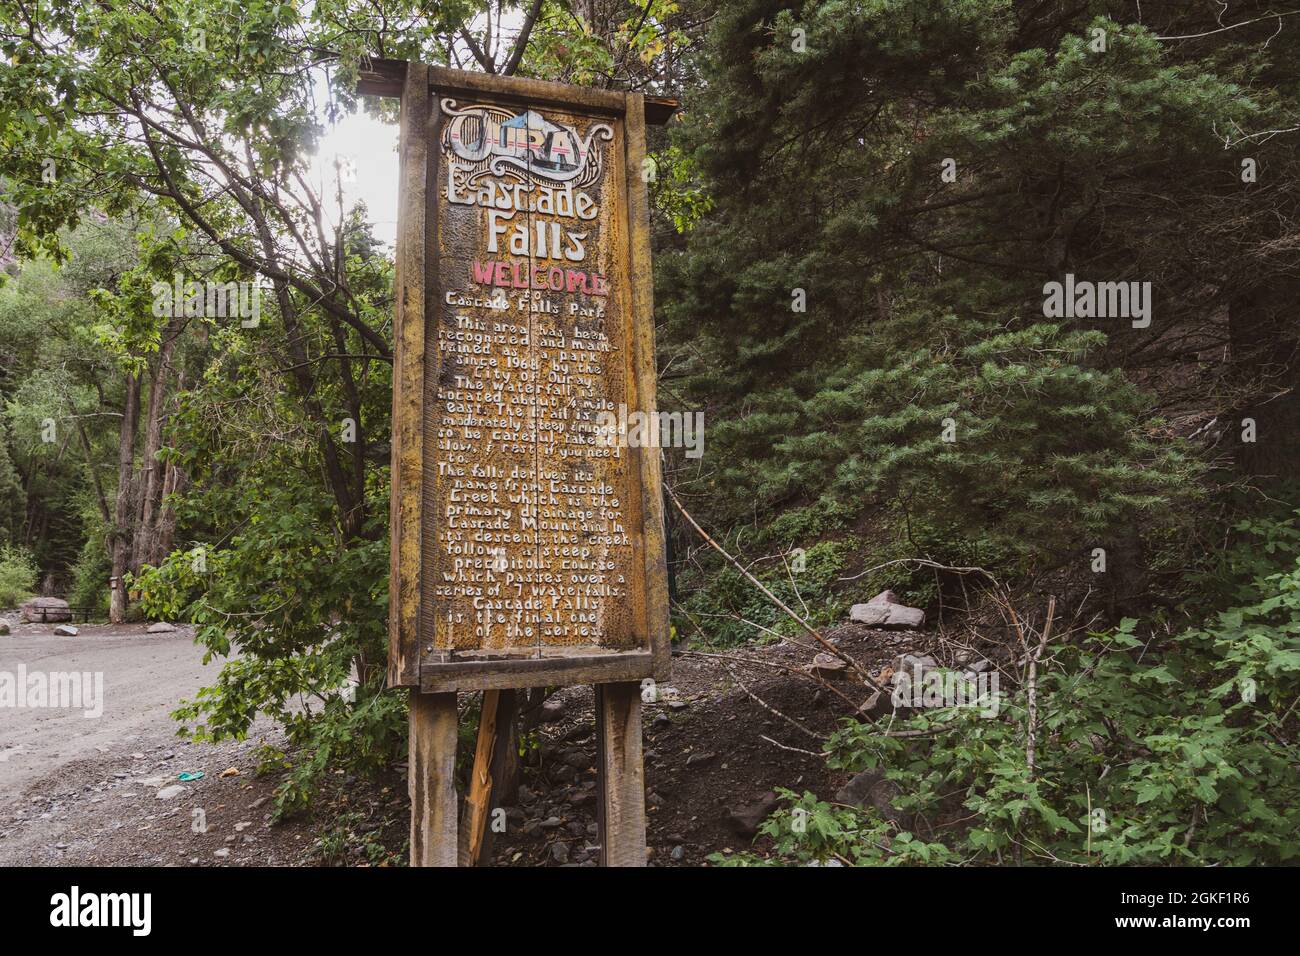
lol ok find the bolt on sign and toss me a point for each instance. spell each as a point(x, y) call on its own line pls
point(527, 540)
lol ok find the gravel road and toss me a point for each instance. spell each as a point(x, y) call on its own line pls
point(91, 790)
point(144, 676)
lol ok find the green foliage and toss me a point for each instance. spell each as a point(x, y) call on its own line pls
point(17, 576)
point(731, 610)
point(675, 189)
point(867, 339)
point(600, 46)
point(63, 395)
point(1154, 749)
point(90, 576)
point(299, 612)
point(279, 585)
point(11, 514)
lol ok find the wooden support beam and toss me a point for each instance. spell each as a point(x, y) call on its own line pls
point(378, 77)
point(470, 675)
point(431, 771)
point(478, 799)
point(621, 811)
point(494, 778)
point(506, 766)
point(406, 503)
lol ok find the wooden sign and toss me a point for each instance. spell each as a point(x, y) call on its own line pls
point(527, 529)
point(528, 536)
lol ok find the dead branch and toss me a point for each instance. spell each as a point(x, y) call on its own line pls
point(1031, 689)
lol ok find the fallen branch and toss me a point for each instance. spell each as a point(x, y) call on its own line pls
point(797, 671)
point(795, 750)
point(768, 707)
point(925, 563)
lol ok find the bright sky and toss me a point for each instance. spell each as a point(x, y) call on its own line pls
point(371, 148)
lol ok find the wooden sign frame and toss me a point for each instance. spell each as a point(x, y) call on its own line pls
point(435, 675)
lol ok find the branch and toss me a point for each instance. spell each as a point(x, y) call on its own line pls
point(1031, 689)
point(483, 59)
point(1243, 23)
point(517, 53)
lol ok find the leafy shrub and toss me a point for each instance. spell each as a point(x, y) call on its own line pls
point(18, 574)
point(1154, 749)
point(291, 615)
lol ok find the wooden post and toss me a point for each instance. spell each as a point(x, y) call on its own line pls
point(621, 811)
point(432, 773)
point(406, 498)
point(494, 779)
point(478, 799)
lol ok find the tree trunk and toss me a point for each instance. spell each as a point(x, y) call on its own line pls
point(173, 483)
point(151, 472)
point(121, 535)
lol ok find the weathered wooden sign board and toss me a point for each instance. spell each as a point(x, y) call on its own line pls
point(527, 540)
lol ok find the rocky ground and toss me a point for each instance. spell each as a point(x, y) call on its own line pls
point(104, 789)
point(729, 729)
point(715, 751)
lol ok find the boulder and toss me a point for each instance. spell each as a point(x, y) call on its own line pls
point(885, 611)
point(162, 627)
point(888, 616)
point(65, 630)
point(46, 610)
point(576, 759)
point(4, 627)
point(552, 710)
point(870, 788)
point(744, 820)
point(827, 667)
point(877, 705)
